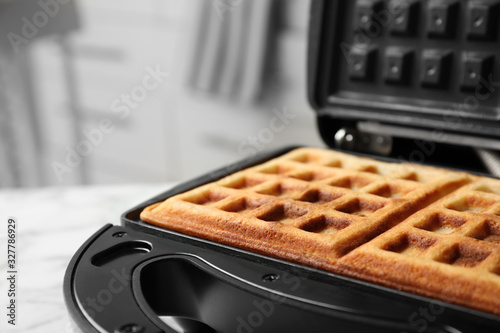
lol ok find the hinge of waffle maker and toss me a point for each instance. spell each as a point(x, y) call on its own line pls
point(485, 148)
point(352, 139)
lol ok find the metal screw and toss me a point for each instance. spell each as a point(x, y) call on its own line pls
point(478, 21)
point(431, 71)
point(119, 234)
point(270, 277)
point(400, 19)
point(380, 140)
point(131, 328)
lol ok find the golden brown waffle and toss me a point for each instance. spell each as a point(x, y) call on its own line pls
point(450, 250)
point(325, 209)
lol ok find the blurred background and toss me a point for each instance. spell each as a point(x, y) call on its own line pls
point(124, 91)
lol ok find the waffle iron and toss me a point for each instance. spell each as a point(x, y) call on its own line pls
point(406, 80)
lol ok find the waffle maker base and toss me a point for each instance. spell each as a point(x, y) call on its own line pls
point(140, 278)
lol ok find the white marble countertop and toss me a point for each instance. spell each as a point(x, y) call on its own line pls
point(52, 224)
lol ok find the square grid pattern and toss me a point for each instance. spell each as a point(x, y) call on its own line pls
point(461, 230)
point(437, 55)
point(340, 201)
point(450, 250)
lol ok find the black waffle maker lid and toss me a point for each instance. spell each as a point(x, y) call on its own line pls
point(415, 80)
point(397, 80)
